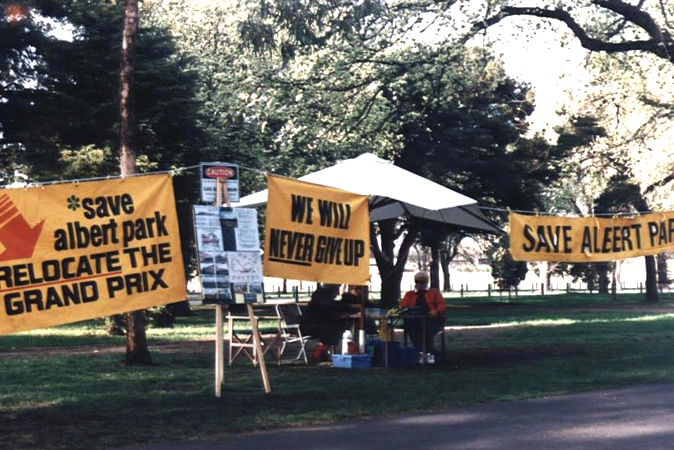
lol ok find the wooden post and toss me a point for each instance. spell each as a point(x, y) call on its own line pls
point(219, 351)
point(361, 331)
point(258, 348)
point(219, 336)
point(257, 342)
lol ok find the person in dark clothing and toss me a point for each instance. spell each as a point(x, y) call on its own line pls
point(321, 318)
point(352, 296)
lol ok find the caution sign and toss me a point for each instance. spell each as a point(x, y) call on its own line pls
point(316, 233)
point(589, 239)
point(211, 173)
point(77, 251)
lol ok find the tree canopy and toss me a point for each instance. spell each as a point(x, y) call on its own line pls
point(290, 87)
point(60, 94)
point(611, 26)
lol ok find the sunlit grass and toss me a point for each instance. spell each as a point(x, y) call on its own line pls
point(529, 349)
point(566, 321)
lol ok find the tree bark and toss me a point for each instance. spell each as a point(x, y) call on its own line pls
point(663, 278)
point(652, 294)
point(602, 273)
point(127, 155)
point(446, 277)
point(391, 269)
point(435, 265)
point(137, 352)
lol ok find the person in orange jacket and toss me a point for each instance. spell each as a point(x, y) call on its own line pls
point(430, 302)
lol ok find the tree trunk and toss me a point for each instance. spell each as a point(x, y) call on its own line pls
point(127, 155)
point(435, 265)
point(652, 294)
point(614, 288)
point(663, 278)
point(390, 269)
point(602, 273)
point(446, 278)
point(137, 352)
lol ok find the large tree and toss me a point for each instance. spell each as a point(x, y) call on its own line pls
point(611, 26)
point(137, 351)
point(438, 108)
point(330, 80)
point(66, 102)
point(638, 37)
point(62, 92)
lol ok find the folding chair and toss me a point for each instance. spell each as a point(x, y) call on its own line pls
point(289, 330)
point(242, 341)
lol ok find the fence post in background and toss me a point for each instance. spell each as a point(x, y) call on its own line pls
point(542, 288)
point(462, 291)
point(568, 288)
point(296, 294)
point(489, 290)
point(640, 286)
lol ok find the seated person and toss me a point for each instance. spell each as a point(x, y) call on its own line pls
point(430, 302)
point(352, 296)
point(321, 318)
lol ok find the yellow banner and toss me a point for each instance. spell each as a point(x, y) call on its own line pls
point(589, 239)
point(77, 251)
point(316, 233)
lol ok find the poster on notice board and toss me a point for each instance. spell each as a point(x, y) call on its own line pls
point(230, 264)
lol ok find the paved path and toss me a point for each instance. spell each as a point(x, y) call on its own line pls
point(631, 418)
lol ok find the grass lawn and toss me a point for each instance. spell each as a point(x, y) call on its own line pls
point(66, 387)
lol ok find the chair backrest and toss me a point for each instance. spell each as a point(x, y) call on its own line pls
point(237, 309)
point(289, 313)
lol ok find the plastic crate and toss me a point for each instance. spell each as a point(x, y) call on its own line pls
point(351, 361)
point(406, 357)
point(378, 351)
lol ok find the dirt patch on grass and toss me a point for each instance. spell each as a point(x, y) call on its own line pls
point(515, 306)
point(163, 347)
point(473, 334)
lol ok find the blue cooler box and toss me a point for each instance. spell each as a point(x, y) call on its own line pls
point(351, 361)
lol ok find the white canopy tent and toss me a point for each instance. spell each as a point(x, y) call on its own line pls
point(394, 192)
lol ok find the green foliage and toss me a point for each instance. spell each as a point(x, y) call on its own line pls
point(237, 110)
point(463, 123)
point(507, 272)
point(87, 162)
point(71, 103)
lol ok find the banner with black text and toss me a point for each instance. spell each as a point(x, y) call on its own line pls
point(77, 251)
point(589, 239)
point(316, 233)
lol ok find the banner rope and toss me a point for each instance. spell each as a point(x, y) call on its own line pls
point(172, 172)
point(178, 170)
point(564, 214)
